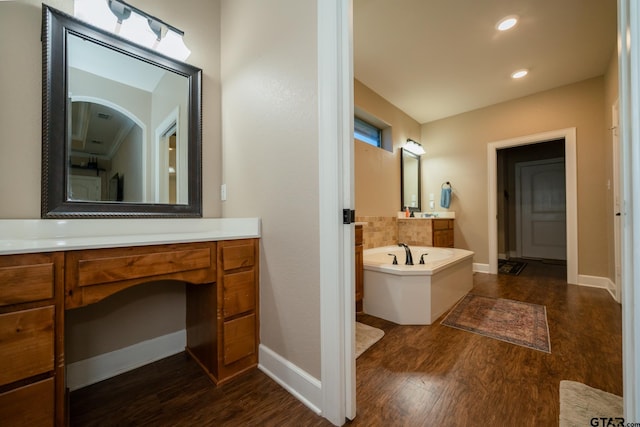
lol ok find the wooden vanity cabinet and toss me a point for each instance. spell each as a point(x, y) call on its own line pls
point(31, 340)
point(359, 266)
point(221, 315)
point(443, 233)
point(223, 327)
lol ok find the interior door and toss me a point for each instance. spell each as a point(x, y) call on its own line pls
point(541, 202)
point(87, 188)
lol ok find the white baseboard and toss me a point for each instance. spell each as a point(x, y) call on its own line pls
point(296, 381)
point(480, 268)
point(95, 369)
point(595, 281)
point(598, 282)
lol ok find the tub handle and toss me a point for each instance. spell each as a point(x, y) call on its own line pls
point(422, 257)
point(395, 260)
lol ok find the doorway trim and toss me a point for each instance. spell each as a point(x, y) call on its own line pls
point(617, 203)
point(571, 187)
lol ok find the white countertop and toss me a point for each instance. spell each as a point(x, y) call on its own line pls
point(430, 215)
point(19, 236)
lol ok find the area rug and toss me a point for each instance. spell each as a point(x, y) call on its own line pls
point(366, 336)
point(515, 322)
point(512, 268)
point(579, 404)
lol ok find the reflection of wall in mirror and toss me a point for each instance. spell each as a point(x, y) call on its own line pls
point(126, 163)
point(168, 96)
point(410, 180)
point(151, 109)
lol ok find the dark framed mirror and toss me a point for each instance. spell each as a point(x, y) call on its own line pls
point(410, 181)
point(121, 126)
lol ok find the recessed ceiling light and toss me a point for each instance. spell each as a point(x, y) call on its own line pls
point(519, 74)
point(507, 23)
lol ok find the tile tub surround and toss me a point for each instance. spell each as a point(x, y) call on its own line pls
point(378, 231)
point(415, 231)
point(29, 236)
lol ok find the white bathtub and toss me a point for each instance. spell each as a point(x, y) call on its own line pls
point(415, 294)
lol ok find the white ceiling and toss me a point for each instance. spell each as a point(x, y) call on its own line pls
point(110, 64)
point(437, 58)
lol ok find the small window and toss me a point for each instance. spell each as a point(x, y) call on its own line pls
point(366, 132)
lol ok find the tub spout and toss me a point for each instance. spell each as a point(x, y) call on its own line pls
point(409, 260)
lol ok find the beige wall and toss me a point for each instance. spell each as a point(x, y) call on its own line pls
point(124, 319)
point(457, 152)
point(20, 152)
point(270, 157)
point(21, 106)
point(377, 171)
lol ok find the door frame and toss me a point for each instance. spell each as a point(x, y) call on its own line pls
point(571, 187)
point(629, 111)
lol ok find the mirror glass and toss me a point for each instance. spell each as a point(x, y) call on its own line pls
point(410, 181)
point(122, 129)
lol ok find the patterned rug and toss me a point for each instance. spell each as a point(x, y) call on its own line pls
point(512, 268)
point(580, 404)
point(366, 336)
point(515, 322)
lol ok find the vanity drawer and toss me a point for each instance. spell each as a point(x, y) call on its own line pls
point(237, 254)
point(442, 224)
point(239, 338)
point(25, 278)
point(26, 343)
point(94, 267)
point(31, 405)
point(239, 293)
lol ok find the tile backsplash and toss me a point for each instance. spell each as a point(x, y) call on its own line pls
point(378, 231)
point(415, 232)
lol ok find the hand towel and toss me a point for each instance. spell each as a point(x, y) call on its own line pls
point(445, 197)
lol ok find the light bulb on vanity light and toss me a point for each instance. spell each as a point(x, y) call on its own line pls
point(414, 147)
point(129, 22)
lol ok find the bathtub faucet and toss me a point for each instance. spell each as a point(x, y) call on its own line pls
point(409, 260)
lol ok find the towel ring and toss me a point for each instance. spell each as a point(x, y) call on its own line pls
point(448, 184)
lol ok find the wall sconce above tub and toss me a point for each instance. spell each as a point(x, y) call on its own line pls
point(133, 24)
point(414, 147)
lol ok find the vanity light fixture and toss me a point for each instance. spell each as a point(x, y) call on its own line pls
point(519, 74)
point(414, 147)
point(507, 23)
point(129, 22)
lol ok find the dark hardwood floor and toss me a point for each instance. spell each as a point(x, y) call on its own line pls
point(415, 376)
